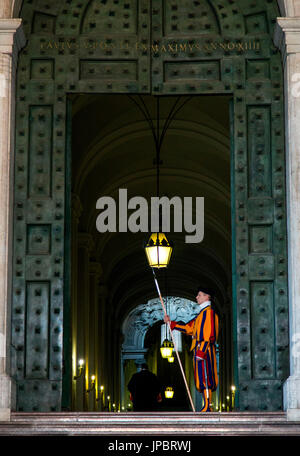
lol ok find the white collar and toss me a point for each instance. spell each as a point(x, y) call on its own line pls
point(204, 304)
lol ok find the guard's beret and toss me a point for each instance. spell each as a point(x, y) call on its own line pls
point(205, 290)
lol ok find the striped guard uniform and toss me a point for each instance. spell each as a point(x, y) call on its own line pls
point(204, 330)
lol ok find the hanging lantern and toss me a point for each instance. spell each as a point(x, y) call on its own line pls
point(158, 251)
point(169, 392)
point(171, 359)
point(167, 348)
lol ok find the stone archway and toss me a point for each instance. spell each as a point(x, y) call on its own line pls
point(122, 257)
point(69, 51)
point(140, 320)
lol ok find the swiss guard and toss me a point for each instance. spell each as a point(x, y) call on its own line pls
point(204, 330)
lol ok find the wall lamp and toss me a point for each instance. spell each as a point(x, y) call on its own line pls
point(101, 389)
point(93, 382)
point(79, 369)
point(233, 391)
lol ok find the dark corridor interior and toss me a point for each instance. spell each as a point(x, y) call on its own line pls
point(112, 148)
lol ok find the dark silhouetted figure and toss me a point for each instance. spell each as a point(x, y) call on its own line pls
point(145, 391)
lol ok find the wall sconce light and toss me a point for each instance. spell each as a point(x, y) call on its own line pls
point(93, 382)
point(101, 389)
point(228, 402)
point(233, 390)
point(80, 369)
point(109, 403)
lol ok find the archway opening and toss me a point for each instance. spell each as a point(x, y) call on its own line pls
point(112, 149)
point(168, 373)
point(88, 51)
point(143, 334)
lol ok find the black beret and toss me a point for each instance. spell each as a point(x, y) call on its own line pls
point(205, 290)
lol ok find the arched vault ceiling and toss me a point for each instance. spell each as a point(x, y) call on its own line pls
point(113, 148)
point(193, 145)
point(135, 141)
point(108, 121)
point(11, 8)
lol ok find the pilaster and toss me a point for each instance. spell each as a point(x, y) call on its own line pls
point(76, 213)
point(95, 271)
point(11, 41)
point(287, 39)
point(85, 248)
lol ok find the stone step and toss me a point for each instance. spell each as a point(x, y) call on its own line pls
point(81, 424)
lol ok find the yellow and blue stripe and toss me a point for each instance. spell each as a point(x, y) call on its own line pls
point(204, 329)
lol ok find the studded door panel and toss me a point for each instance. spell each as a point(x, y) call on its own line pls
point(84, 46)
point(226, 47)
point(136, 46)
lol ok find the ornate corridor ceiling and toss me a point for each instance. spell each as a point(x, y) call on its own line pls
point(112, 148)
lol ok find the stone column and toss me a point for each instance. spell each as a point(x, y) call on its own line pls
point(11, 41)
point(76, 213)
point(287, 39)
point(85, 246)
point(104, 347)
point(95, 272)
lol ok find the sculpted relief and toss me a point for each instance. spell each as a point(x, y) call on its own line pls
point(146, 315)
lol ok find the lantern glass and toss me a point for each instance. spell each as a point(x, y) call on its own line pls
point(166, 349)
point(171, 359)
point(169, 392)
point(158, 251)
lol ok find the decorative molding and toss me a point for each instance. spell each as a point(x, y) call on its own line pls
point(12, 37)
point(146, 315)
point(287, 35)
